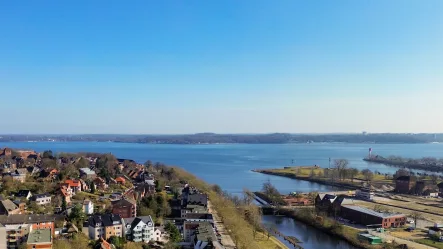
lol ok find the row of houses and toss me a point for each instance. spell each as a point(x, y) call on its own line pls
point(137, 229)
point(194, 220)
point(341, 206)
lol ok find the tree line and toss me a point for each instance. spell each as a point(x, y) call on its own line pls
point(425, 163)
point(235, 138)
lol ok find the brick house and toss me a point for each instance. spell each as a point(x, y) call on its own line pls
point(296, 201)
point(126, 208)
point(100, 183)
point(366, 217)
point(35, 222)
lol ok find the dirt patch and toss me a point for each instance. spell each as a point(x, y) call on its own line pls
point(409, 235)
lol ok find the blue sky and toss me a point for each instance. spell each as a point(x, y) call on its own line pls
point(221, 66)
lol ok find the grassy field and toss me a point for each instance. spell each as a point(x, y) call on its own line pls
point(413, 205)
point(263, 241)
point(430, 242)
point(401, 233)
point(318, 173)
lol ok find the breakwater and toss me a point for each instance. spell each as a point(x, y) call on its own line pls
point(339, 185)
point(410, 164)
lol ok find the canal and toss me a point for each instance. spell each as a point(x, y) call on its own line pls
point(311, 238)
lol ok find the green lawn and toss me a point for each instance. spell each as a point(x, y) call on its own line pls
point(305, 171)
point(430, 242)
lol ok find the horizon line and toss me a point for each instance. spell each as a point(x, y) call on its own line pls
point(213, 133)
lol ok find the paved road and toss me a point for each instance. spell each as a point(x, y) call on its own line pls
point(410, 244)
point(226, 239)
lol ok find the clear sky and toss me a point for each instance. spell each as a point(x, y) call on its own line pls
point(225, 66)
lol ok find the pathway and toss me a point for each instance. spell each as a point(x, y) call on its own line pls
point(226, 239)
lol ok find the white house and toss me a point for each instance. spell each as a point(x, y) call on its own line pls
point(42, 199)
point(139, 229)
point(88, 207)
point(160, 235)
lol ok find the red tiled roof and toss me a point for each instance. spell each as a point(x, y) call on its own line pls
point(120, 179)
point(105, 244)
point(73, 183)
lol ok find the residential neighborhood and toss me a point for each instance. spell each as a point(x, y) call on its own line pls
point(49, 198)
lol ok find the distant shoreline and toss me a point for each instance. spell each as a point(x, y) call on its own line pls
point(212, 138)
point(409, 164)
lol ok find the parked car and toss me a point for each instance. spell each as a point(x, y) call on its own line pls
point(410, 229)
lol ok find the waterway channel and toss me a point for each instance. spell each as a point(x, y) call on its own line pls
point(310, 237)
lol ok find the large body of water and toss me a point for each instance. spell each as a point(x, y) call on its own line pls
point(230, 165)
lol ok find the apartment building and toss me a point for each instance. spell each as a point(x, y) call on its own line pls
point(106, 226)
point(140, 229)
point(126, 208)
point(15, 229)
point(40, 239)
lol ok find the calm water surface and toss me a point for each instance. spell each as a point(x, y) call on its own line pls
point(229, 165)
point(311, 238)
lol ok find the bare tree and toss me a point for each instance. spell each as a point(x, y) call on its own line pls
point(434, 179)
point(415, 215)
point(341, 165)
point(352, 173)
point(248, 196)
point(367, 174)
point(272, 193)
point(253, 216)
point(326, 173)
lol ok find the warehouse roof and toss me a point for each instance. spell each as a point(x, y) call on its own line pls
point(371, 212)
